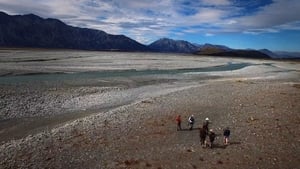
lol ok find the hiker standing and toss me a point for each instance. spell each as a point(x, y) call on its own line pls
point(212, 137)
point(178, 121)
point(205, 124)
point(226, 135)
point(202, 135)
point(191, 121)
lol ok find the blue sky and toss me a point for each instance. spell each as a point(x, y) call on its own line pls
point(256, 24)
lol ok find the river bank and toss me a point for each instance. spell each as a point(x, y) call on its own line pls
point(129, 121)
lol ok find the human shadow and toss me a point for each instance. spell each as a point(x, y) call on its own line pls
point(223, 146)
point(235, 143)
point(220, 146)
point(187, 129)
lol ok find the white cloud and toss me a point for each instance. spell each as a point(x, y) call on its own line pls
point(24, 7)
point(208, 15)
point(290, 26)
point(209, 34)
point(216, 2)
point(278, 13)
point(260, 31)
point(230, 22)
point(145, 20)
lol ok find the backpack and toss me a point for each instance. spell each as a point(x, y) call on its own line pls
point(191, 119)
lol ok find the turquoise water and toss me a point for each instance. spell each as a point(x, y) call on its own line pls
point(56, 77)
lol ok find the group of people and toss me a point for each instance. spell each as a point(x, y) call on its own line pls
point(204, 131)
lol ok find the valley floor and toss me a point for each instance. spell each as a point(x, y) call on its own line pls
point(131, 123)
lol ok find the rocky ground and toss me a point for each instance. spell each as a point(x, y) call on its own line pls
point(27, 101)
point(95, 110)
point(263, 116)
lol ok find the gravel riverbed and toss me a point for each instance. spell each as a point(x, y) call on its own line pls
point(127, 120)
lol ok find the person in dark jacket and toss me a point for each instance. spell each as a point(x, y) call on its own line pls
point(226, 135)
point(202, 135)
point(205, 124)
point(212, 137)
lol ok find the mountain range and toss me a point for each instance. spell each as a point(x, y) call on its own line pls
point(218, 50)
point(32, 31)
point(174, 46)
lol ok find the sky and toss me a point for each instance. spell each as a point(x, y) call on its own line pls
point(239, 24)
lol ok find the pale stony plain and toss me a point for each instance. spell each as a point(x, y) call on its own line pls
point(66, 109)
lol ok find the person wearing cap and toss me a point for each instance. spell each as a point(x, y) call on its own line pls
point(212, 137)
point(205, 124)
point(191, 121)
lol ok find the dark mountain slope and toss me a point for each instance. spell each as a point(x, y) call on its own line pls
point(218, 50)
point(173, 46)
point(33, 31)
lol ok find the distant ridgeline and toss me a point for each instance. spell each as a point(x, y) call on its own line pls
point(35, 32)
point(31, 31)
